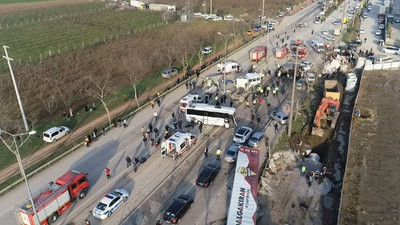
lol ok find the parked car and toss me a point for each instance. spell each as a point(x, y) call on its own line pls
point(168, 73)
point(329, 38)
point(279, 117)
point(306, 65)
point(317, 21)
point(280, 14)
point(110, 203)
point(257, 27)
point(336, 22)
point(178, 208)
point(242, 135)
point(250, 33)
point(378, 32)
point(325, 32)
point(310, 77)
point(207, 50)
point(231, 153)
point(391, 50)
point(208, 174)
point(55, 133)
point(255, 139)
point(301, 84)
point(397, 20)
point(361, 31)
point(381, 26)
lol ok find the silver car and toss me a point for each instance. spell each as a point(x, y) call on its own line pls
point(279, 117)
point(232, 152)
point(242, 135)
point(169, 73)
point(255, 140)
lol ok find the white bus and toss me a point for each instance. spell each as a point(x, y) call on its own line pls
point(188, 100)
point(211, 115)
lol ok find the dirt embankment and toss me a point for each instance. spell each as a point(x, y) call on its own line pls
point(372, 182)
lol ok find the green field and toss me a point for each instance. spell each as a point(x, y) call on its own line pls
point(19, 1)
point(61, 30)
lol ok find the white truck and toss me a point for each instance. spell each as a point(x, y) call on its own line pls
point(138, 4)
point(248, 81)
point(161, 7)
point(243, 204)
point(229, 67)
point(177, 144)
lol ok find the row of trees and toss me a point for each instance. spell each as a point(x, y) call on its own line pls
point(78, 78)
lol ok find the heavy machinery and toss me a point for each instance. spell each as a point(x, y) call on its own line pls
point(328, 112)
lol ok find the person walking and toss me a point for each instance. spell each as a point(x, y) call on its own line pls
point(276, 127)
point(218, 154)
point(158, 102)
point(87, 222)
point(87, 141)
point(252, 117)
point(125, 123)
point(187, 85)
point(303, 169)
point(143, 131)
point(155, 114)
point(158, 222)
point(128, 162)
point(136, 165)
point(152, 103)
point(365, 40)
point(258, 118)
point(206, 152)
point(231, 103)
point(155, 131)
point(173, 115)
point(200, 127)
point(108, 173)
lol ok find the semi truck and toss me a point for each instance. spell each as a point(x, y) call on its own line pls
point(243, 204)
point(258, 53)
point(177, 144)
point(55, 199)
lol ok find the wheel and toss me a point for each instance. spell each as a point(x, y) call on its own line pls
point(126, 199)
point(109, 214)
point(53, 218)
point(82, 195)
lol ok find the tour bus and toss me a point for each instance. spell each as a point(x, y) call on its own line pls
point(211, 115)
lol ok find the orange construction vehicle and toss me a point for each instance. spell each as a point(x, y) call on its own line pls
point(328, 111)
point(281, 53)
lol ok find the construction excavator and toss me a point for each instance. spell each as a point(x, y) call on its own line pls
point(328, 111)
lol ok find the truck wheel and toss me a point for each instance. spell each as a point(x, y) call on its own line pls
point(53, 218)
point(82, 194)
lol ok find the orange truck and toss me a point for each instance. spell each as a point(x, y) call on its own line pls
point(258, 53)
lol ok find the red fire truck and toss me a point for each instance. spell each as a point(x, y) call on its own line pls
point(55, 199)
point(281, 53)
point(258, 53)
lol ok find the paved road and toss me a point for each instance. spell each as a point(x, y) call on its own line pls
point(158, 180)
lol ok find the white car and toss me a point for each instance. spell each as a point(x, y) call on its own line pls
point(110, 203)
point(207, 50)
point(378, 32)
point(329, 38)
point(168, 73)
point(242, 135)
point(55, 133)
point(391, 50)
point(306, 65)
point(361, 31)
point(279, 117)
point(325, 32)
point(317, 21)
point(381, 26)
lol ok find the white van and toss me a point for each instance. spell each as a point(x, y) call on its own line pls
point(382, 59)
point(229, 67)
point(55, 133)
point(248, 81)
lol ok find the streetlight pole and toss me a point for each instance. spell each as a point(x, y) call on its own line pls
point(262, 13)
point(226, 37)
point(293, 90)
point(9, 146)
point(16, 88)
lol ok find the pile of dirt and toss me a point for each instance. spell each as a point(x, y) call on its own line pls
point(285, 196)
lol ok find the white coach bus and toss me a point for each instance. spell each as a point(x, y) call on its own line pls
point(211, 115)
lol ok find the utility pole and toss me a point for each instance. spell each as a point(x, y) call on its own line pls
point(262, 13)
point(293, 90)
point(210, 7)
point(226, 37)
point(16, 88)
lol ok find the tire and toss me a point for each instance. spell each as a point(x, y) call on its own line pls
point(82, 194)
point(53, 218)
point(126, 199)
point(109, 215)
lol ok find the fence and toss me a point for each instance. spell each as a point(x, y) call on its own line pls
point(383, 66)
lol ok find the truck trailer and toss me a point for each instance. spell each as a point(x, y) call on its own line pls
point(243, 205)
point(56, 198)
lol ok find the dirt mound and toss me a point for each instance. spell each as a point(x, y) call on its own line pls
point(286, 198)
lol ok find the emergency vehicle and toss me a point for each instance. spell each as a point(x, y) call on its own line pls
point(281, 53)
point(189, 99)
point(248, 81)
point(54, 199)
point(258, 53)
point(229, 67)
point(177, 144)
point(317, 46)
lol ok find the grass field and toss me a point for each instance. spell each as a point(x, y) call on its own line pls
point(62, 29)
point(19, 1)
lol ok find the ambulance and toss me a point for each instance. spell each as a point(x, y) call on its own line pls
point(177, 144)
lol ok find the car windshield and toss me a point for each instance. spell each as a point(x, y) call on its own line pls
point(254, 139)
point(101, 206)
point(170, 215)
point(241, 131)
point(230, 153)
point(285, 118)
point(238, 136)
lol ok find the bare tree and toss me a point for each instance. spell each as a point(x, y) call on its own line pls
point(185, 49)
point(237, 28)
point(100, 88)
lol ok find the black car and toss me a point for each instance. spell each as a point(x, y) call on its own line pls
point(207, 175)
point(178, 208)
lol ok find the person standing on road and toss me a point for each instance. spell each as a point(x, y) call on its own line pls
point(155, 116)
point(252, 117)
point(276, 127)
point(128, 162)
point(206, 152)
point(218, 154)
point(152, 103)
point(258, 118)
point(87, 222)
point(158, 101)
point(173, 115)
point(365, 40)
point(108, 173)
point(125, 123)
point(158, 222)
point(187, 85)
